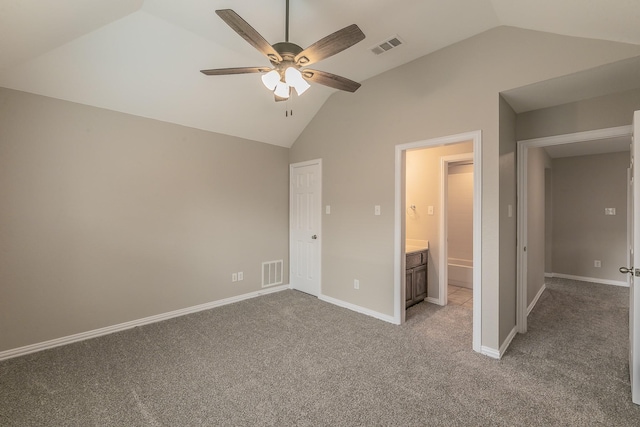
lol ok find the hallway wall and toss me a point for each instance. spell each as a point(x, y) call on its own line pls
point(582, 188)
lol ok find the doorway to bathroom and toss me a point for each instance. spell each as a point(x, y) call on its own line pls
point(422, 162)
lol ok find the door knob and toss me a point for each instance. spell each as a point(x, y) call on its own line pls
point(315, 236)
point(625, 270)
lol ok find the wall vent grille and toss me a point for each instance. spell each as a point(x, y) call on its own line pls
point(272, 273)
point(387, 45)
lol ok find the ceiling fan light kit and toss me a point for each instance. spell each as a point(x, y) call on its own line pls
point(289, 58)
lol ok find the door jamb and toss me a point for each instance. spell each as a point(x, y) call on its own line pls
point(522, 206)
point(400, 220)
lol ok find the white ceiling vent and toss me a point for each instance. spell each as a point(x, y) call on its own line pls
point(387, 45)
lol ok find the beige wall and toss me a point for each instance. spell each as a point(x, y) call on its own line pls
point(548, 222)
point(508, 231)
point(537, 162)
point(460, 212)
point(451, 91)
point(591, 114)
point(107, 218)
point(423, 186)
point(582, 188)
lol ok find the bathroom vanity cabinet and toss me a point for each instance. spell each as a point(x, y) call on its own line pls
point(416, 280)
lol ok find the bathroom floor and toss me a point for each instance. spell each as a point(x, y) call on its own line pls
point(457, 295)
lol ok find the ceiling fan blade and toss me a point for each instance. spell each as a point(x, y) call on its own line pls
point(249, 33)
point(330, 45)
point(240, 70)
point(331, 80)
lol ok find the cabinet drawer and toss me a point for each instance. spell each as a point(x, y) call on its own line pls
point(414, 259)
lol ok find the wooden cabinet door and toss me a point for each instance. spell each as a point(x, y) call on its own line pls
point(409, 288)
point(420, 283)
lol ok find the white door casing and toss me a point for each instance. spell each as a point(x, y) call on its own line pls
point(305, 190)
point(522, 207)
point(634, 294)
point(399, 224)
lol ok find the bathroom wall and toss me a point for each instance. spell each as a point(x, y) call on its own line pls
point(460, 212)
point(423, 190)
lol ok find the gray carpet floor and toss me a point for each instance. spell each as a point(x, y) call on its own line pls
point(290, 359)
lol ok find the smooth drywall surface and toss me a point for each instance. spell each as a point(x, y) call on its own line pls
point(583, 187)
point(460, 212)
point(537, 160)
point(423, 185)
point(451, 91)
point(592, 114)
point(107, 218)
point(508, 230)
point(548, 223)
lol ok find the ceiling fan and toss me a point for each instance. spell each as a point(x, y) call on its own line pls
point(288, 58)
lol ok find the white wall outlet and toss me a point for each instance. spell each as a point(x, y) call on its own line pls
point(429, 210)
point(240, 276)
point(356, 284)
point(609, 211)
point(234, 277)
point(376, 210)
point(597, 263)
point(327, 209)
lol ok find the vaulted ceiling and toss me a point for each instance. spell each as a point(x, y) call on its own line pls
point(143, 57)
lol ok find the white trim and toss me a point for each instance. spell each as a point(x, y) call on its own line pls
point(497, 354)
point(444, 230)
point(45, 345)
point(399, 253)
point(319, 215)
point(507, 341)
point(358, 309)
point(591, 280)
point(536, 298)
point(433, 300)
point(522, 155)
point(491, 352)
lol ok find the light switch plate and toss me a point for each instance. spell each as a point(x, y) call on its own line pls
point(376, 210)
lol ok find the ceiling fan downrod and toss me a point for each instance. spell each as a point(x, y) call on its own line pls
point(286, 26)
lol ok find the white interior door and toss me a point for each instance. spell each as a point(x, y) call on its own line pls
point(304, 238)
point(634, 294)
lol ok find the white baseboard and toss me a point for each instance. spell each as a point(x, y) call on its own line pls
point(497, 354)
point(590, 279)
point(21, 351)
point(358, 309)
point(491, 352)
point(536, 298)
point(433, 300)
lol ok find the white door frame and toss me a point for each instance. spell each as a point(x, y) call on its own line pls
point(634, 292)
point(400, 220)
point(318, 242)
point(522, 155)
point(444, 222)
